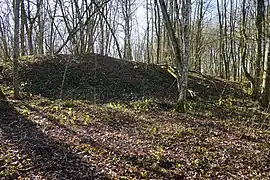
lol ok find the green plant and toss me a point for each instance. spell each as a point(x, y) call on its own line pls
point(179, 165)
point(87, 119)
point(26, 112)
point(185, 131)
point(118, 106)
point(180, 132)
point(220, 101)
point(155, 130)
point(159, 153)
point(145, 105)
point(144, 173)
point(227, 102)
point(209, 113)
point(55, 107)
point(63, 119)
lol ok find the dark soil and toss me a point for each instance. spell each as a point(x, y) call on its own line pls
point(115, 120)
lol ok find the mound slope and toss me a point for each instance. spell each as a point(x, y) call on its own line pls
point(105, 79)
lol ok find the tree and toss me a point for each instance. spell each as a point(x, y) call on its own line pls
point(259, 26)
point(29, 25)
point(244, 44)
point(41, 23)
point(51, 39)
point(128, 8)
point(4, 40)
point(186, 9)
point(233, 53)
point(172, 36)
point(182, 63)
point(16, 50)
point(223, 39)
point(266, 94)
point(198, 48)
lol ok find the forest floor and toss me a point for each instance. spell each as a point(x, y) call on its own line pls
point(114, 119)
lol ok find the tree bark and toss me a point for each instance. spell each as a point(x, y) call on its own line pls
point(171, 33)
point(41, 24)
point(182, 64)
point(16, 50)
point(186, 9)
point(243, 44)
point(266, 95)
point(198, 48)
point(158, 30)
point(259, 26)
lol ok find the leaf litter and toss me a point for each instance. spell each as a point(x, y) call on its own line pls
point(128, 129)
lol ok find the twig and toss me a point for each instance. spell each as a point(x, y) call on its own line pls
point(63, 79)
point(172, 85)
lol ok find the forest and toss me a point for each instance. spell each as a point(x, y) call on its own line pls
point(135, 89)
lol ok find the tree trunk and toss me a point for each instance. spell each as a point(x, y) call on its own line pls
point(243, 44)
point(182, 66)
point(23, 23)
point(233, 39)
point(198, 48)
point(158, 31)
point(266, 95)
point(186, 9)
point(171, 33)
point(16, 50)
point(3, 37)
point(147, 33)
point(127, 14)
point(175, 46)
point(222, 53)
point(259, 25)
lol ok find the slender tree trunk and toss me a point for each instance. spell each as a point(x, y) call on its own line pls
point(172, 37)
point(158, 31)
point(266, 95)
point(221, 43)
point(232, 40)
point(29, 29)
point(16, 50)
point(110, 28)
point(52, 31)
point(225, 43)
point(266, 44)
point(186, 9)
point(259, 25)
point(243, 44)
point(182, 64)
point(23, 23)
point(198, 48)
point(147, 33)
point(41, 23)
point(127, 13)
point(3, 35)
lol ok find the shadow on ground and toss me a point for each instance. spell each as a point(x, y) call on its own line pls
point(28, 152)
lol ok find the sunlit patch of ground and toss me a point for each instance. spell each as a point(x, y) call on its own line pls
point(223, 134)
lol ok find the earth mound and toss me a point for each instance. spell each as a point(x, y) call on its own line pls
point(104, 79)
